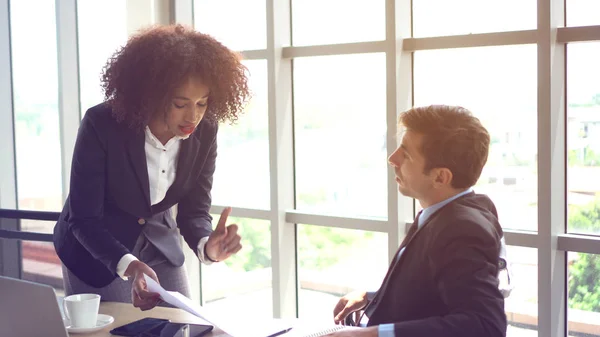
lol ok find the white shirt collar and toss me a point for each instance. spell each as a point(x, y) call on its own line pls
point(151, 138)
point(427, 212)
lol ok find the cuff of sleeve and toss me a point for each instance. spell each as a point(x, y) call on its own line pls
point(124, 264)
point(202, 252)
point(386, 330)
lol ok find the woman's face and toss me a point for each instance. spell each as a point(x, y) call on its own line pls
point(184, 111)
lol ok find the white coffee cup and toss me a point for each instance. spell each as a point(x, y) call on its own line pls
point(82, 310)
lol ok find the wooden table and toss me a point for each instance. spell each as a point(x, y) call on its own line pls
point(126, 313)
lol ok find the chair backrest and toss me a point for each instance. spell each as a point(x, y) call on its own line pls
point(504, 274)
point(29, 309)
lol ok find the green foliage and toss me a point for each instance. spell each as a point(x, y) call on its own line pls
point(584, 288)
point(256, 242)
point(313, 198)
point(594, 101)
point(585, 157)
point(31, 113)
point(585, 219)
point(319, 247)
point(322, 247)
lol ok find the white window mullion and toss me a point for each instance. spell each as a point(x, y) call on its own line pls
point(10, 260)
point(68, 85)
point(8, 192)
point(281, 155)
point(552, 297)
point(399, 98)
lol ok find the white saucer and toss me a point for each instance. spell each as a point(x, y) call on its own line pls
point(102, 322)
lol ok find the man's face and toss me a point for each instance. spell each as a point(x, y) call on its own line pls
point(409, 164)
point(187, 107)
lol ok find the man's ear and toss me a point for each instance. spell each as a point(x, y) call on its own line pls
point(443, 176)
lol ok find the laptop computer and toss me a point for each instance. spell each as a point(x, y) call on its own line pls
point(29, 309)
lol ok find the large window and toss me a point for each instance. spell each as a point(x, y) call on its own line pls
point(35, 92)
point(242, 175)
point(583, 137)
point(241, 286)
point(584, 294)
point(522, 305)
point(305, 167)
point(37, 139)
point(442, 17)
point(316, 22)
point(96, 45)
point(40, 263)
point(238, 24)
point(583, 164)
point(333, 262)
point(340, 134)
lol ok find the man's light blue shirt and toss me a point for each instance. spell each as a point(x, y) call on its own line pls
point(387, 330)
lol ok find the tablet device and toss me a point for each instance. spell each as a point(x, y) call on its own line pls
point(177, 330)
point(135, 328)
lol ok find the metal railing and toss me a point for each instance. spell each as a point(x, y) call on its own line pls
point(15, 227)
point(15, 245)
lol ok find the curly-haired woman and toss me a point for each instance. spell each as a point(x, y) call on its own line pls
point(151, 145)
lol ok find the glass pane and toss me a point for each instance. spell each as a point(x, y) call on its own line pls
point(456, 17)
point(498, 84)
point(583, 12)
point(238, 24)
point(340, 128)
point(244, 280)
point(35, 85)
point(333, 262)
point(337, 21)
point(96, 46)
point(242, 174)
point(41, 264)
point(522, 305)
point(583, 137)
point(39, 260)
point(584, 294)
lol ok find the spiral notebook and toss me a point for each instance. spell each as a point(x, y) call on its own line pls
point(325, 331)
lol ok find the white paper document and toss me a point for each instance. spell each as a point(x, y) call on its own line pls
point(234, 326)
point(177, 300)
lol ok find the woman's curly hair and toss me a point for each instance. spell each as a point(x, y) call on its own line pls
point(139, 79)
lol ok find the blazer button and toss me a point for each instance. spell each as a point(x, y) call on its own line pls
point(141, 221)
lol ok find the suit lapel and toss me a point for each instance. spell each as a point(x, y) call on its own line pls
point(185, 162)
point(137, 157)
point(412, 232)
point(410, 238)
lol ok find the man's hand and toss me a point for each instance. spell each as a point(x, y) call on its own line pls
point(348, 304)
point(224, 241)
point(140, 296)
point(371, 331)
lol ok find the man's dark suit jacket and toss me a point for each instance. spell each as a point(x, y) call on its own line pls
point(445, 283)
point(109, 195)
